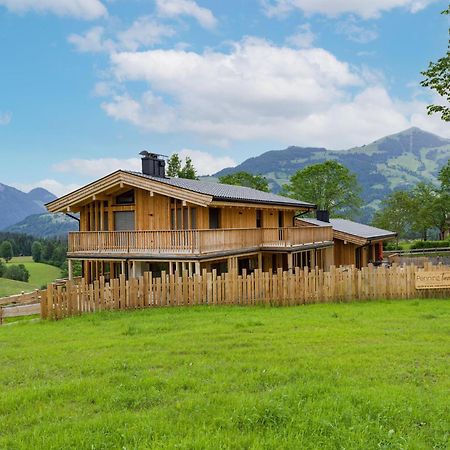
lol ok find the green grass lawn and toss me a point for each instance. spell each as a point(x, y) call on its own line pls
point(352, 375)
point(40, 275)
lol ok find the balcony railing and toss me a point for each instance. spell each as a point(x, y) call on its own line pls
point(193, 242)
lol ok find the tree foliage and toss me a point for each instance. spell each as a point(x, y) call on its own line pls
point(6, 251)
point(329, 185)
point(175, 168)
point(246, 179)
point(17, 272)
point(419, 210)
point(437, 78)
point(36, 251)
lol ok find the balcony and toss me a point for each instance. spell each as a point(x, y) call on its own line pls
point(158, 244)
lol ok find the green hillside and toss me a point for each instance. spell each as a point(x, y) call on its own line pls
point(393, 162)
point(40, 275)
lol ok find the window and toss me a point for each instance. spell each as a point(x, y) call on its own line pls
point(259, 218)
point(127, 198)
point(193, 218)
point(214, 218)
point(124, 221)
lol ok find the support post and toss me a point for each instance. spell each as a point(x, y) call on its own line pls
point(70, 269)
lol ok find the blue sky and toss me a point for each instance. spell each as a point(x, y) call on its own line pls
point(87, 84)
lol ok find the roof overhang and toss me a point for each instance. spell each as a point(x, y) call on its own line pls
point(117, 180)
point(361, 240)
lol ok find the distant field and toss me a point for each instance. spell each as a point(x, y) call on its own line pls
point(329, 376)
point(40, 274)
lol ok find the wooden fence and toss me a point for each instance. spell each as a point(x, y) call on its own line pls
point(302, 286)
point(23, 304)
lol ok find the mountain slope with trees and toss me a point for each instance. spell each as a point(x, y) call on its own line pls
point(399, 161)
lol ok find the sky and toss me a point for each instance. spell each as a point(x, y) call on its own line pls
point(85, 85)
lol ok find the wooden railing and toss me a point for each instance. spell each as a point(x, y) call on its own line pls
point(194, 241)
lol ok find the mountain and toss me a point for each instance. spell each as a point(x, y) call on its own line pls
point(16, 205)
point(45, 225)
point(394, 162)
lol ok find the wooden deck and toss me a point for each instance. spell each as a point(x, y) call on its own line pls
point(193, 242)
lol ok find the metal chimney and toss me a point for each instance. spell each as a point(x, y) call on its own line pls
point(153, 165)
point(323, 215)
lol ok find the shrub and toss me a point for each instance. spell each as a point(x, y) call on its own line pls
point(430, 244)
point(18, 273)
point(2, 268)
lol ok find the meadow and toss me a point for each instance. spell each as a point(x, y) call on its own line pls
point(364, 375)
point(40, 275)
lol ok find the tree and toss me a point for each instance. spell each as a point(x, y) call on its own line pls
point(36, 251)
point(437, 78)
point(18, 273)
point(174, 166)
point(6, 251)
point(395, 213)
point(188, 171)
point(329, 185)
point(176, 170)
point(423, 196)
point(246, 179)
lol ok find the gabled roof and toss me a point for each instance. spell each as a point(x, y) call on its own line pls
point(227, 192)
point(198, 192)
point(356, 229)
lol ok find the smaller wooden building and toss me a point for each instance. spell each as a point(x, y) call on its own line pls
point(354, 243)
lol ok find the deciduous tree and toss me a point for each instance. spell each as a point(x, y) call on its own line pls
point(329, 185)
point(437, 78)
point(246, 179)
point(6, 251)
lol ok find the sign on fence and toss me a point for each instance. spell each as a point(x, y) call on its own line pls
point(433, 280)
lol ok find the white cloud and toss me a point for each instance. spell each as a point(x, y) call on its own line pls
point(363, 8)
point(144, 32)
point(82, 9)
point(96, 168)
point(303, 37)
point(92, 41)
point(362, 34)
point(5, 118)
point(175, 8)
point(207, 163)
point(257, 91)
point(53, 186)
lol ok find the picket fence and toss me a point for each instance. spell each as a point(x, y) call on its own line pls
point(301, 286)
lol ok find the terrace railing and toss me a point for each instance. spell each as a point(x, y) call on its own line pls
point(194, 242)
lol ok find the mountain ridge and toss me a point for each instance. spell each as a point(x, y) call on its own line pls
point(397, 161)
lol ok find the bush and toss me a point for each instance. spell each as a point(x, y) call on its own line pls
point(430, 244)
point(2, 268)
point(18, 273)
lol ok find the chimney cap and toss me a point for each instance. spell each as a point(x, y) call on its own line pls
point(147, 154)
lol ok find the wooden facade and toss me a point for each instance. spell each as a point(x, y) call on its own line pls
point(130, 225)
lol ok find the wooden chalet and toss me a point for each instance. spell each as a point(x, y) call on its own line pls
point(133, 222)
point(354, 243)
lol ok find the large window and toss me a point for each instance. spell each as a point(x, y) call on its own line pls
point(124, 221)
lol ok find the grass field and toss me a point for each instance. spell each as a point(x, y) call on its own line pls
point(40, 274)
point(354, 376)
